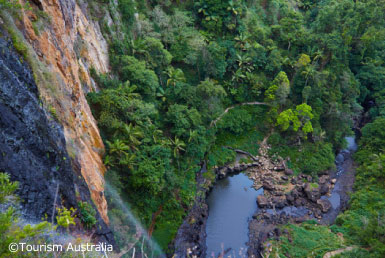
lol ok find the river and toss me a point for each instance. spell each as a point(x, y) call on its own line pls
point(344, 175)
point(231, 204)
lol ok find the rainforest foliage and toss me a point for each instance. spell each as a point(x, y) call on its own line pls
point(177, 65)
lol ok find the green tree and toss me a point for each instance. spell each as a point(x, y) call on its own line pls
point(296, 119)
point(7, 188)
point(175, 75)
point(87, 214)
point(212, 95)
point(152, 50)
point(278, 92)
point(137, 73)
point(177, 145)
point(118, 147)
point(10, 4)
point(132, 134)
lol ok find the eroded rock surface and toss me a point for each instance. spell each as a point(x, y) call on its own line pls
point(67, 46)
point(33, 148)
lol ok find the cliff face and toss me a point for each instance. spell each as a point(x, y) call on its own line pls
point(33, 149)
point(68, 43)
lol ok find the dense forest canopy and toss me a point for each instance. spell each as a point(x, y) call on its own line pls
point(315, 68)
point(191, 80)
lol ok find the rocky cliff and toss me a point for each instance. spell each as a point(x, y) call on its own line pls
point(33, 148)
point(63, 43)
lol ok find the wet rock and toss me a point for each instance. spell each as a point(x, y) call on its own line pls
point(340, 158)
point(221, 173)
point(285, 178)
point(325, 205)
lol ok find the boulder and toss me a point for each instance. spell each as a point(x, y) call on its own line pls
point(222, 173)
point(299, 202)
point(237, 168)
point(268, 185)
point(262, 201)
point(243, 166)
point(279, 168)
point(312, 193)
point(300, 219)
point(295, 193)
point(323, 179)
point(340, 158)
point(325, 188)
point(290, 199)
point(324, 205)
point(289, 172)
point(279, 201)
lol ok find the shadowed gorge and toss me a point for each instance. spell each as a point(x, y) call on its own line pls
point(205, 128)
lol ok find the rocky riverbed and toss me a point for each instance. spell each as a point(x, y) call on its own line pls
point(287, 198)
point(294, 199)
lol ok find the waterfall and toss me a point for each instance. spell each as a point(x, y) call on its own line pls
point(131, 237)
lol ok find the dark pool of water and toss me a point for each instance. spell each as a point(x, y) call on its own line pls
point(231, 204)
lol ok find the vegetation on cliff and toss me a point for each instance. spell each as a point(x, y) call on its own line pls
point(16, 234)
point(177, 65)
point(191, 78)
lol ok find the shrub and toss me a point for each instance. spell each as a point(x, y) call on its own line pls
point(87, 214)
point(7, 188)
point(10, 229)
point(65, 217)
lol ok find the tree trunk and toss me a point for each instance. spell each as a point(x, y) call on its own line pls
point(152, 226)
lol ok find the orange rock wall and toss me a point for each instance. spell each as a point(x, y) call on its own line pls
point(69, 44)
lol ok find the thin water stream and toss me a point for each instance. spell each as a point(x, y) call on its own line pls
point(344, 175)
